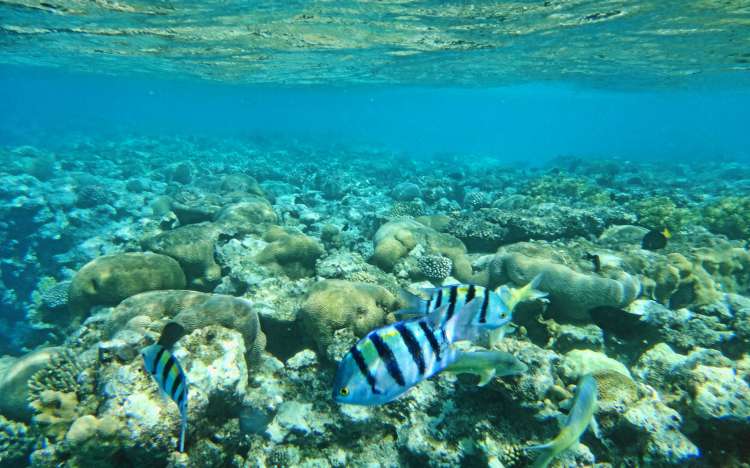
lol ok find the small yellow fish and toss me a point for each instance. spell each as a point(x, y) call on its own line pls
point(580, 417)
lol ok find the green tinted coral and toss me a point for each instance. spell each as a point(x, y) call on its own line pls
point(661, 212)
point(110, 279)
point(729, 216)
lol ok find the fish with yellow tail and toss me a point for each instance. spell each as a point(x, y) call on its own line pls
point(168, 373)
point(392, 359)
point(482, 309)
point(580, 417)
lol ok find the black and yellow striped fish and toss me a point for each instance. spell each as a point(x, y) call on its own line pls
point(168, 373)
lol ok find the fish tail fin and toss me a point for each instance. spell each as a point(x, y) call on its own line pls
point(530, 292)
point(544, 458)
point(183, 430)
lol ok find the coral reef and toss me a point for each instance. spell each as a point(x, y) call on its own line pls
point(572, 295)
point(335, 304)
point(193, 247)
point(14, 383)
point(112, 278)
point(294, 252)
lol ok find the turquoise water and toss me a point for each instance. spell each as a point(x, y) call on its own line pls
point(283, 179)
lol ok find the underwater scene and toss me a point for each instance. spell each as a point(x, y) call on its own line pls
point(396, 233)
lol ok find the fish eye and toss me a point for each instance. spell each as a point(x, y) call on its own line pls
point(344, 391)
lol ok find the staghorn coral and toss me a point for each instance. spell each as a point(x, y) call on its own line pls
point(109, 279)
point(59, 375)
point(193, 247)
point(292, 254)
point(435, 267)
point(335, 304)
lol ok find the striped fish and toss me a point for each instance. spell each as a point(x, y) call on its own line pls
point(490, 309)
point(392, 359)
point(168, 373)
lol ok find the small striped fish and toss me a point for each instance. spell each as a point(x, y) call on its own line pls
point(390, 360)
point(168, 373)
point(490, 310)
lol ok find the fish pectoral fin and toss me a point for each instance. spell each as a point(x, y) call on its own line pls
point(485, 377)
point(536, 448)
point(594, 426)
point(485, 364)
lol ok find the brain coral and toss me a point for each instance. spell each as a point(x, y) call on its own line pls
point(335, 304)
point(193, 247)
point(572, 294)
point(250, 216)
point(292, 254)
point(110, 279)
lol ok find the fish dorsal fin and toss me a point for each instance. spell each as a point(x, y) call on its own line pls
point(171, 333)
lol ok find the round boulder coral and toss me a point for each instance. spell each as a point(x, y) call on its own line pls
point(250, 216)
point(572, 295)
point(193, 247)
point(293, 254)
point(335, 304)
point(110, 279)
point(394, 240)
point(193, 310)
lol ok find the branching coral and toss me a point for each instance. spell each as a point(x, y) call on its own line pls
point(435, 267)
